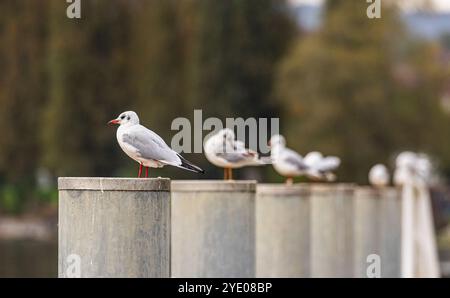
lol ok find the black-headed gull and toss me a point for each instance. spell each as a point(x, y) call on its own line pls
point(290, 164)
point(222, 150)
point(379, 176)
point(146, 147)
point(320, 167)
point(285, 161)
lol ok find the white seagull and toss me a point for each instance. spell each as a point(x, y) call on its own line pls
point(405, 165)
point(222, 150)
point(146, 147)
point(286, 162)
point(320, 167)
point(379, 175)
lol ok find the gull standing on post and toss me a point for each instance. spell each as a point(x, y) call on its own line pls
point(379, 175)
point(146, 147)
point(286, 162)
point(405, 167)
point(222, 150)
point(320, 167)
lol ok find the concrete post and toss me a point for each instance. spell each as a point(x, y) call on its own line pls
point(332, 230)
point(114, 227)
point(282, 230)
point(367, 230)
point(213, 229)
point(391, 220)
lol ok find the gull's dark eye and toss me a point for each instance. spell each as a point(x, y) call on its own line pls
point(128, 118)
point(122, 117)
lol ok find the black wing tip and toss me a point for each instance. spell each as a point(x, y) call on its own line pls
point(187, 165)
point(192, 168)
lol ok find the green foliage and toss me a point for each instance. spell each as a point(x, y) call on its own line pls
point(236, 48)
point(47, 195)
point(10, 199)
point(157, 68)
point(23, 88)
point(88, 85)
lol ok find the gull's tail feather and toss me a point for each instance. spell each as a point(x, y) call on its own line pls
point(187, 165)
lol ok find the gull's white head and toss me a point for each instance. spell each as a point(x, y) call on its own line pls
point(406, 160)
point(226, 134)
point(277, 140)
point(313, 157)
point(126, 118)
point(379, 175)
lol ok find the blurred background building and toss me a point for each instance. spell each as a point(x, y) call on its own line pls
point(341, 83)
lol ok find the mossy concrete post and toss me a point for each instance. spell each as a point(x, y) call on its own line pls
point(390, 221)
point(114, 227)
point(282, 230)
point(332, 230)
point(367, 230)
point(213, 229)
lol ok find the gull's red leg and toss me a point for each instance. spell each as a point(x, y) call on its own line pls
point(140, 171)
point(146, 172)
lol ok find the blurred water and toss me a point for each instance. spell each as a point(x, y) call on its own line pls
point(28, 258)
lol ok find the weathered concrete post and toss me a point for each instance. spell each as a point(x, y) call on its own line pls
point(282, 230)
point(213, 229)
point(114, 227)
point(332, 230)
point(391, 219)
point(367, 229)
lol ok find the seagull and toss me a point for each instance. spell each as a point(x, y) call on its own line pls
point(222, 150)
point(379, 175)
point(286, 162)
point(424, 167)
point(409, 164)
point(146, 147)
point(320, 167)
point(404, 167)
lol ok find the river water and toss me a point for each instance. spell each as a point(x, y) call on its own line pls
point(28, 258)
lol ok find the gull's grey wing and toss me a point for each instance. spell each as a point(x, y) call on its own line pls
point(232, 157)
point(294, 158)
point(234, 152)
point(149, 145)
point(329, 163)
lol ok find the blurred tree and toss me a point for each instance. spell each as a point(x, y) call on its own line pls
point(237, 45)
point(23, 86)
point(342, 95)
point(89, 84)
point(422, 123)
point(157, 67)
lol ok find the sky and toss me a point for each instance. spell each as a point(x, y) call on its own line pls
point(439, 5)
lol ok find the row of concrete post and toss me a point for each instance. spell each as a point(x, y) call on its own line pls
point(111, 227)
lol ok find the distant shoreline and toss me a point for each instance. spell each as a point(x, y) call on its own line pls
point(28, 228)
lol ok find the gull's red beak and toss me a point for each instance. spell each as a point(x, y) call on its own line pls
point(114, 121)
